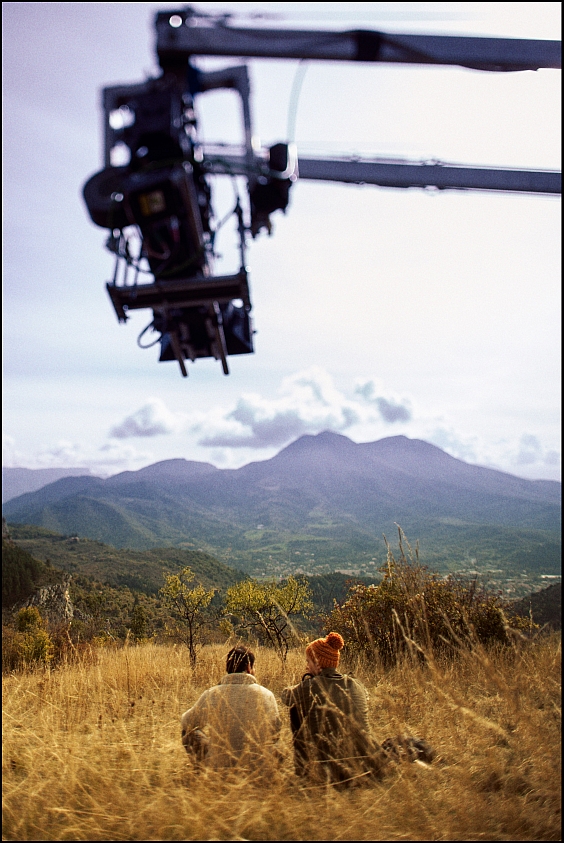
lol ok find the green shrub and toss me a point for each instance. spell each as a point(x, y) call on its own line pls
point(29, 619)
point(138, 621)
point(418, 610)
point(188, 605)
point(35, 647)
point(29, 644)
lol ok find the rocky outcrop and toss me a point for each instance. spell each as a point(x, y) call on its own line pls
point(53, 601)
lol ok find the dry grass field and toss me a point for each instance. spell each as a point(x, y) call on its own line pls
point(92, 751)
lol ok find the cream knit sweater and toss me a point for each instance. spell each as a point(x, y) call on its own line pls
point(241, 719)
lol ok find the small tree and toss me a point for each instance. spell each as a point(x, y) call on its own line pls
point(188, 605)
point(138, 621)
point(266, 608)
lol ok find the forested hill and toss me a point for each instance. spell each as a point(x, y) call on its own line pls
point(31, 547)
point(545, 606)
point(138, 570)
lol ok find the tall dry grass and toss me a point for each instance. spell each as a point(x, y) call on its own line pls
point(92, 752)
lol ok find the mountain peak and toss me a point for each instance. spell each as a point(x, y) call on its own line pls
point(325, 439)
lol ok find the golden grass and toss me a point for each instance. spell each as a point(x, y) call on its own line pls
point(93, 752)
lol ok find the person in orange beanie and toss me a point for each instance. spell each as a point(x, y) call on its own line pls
point(329, 720)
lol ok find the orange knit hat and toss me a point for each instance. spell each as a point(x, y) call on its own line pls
point(325, 651)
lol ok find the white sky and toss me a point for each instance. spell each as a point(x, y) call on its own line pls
point(379, 311)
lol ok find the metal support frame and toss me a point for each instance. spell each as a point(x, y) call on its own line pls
point(386, 173)
point(490, 54)
point(236, 78)
point(190, 292)
point(181, 34)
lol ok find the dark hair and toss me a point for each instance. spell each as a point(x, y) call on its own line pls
point(238, 659)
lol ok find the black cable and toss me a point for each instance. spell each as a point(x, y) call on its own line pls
point(144, 331)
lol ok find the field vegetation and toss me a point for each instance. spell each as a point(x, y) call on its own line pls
point(92, 751)
point(91, 722)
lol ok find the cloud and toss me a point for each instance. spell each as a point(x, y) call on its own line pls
point(101, 461)
point(308, 402)
point(552, 458)
point(153, 419)
point(467, 449)
point(530, 450)
point(391, 411)
point(9, 452)
point(526, 456)
point(63, 454)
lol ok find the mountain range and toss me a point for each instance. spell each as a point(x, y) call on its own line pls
point(321, 504)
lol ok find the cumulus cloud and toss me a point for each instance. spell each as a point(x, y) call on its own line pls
point(62, 454)
point(153, 419)
point(9, 452)
point(531, 452)
point(308, 402)
point(391, 410)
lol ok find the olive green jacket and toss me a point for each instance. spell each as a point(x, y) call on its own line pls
point(331, 729)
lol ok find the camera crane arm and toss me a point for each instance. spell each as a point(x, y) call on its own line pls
point(160, 190)
point(182, 35)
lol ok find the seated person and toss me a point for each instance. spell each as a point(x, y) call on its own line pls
point(235, 721)
point(329, 719)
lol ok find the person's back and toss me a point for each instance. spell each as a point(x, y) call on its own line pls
point(329, 718)
point(239, 716)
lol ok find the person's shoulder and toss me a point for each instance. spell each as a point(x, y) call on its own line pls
point(327, 675)
point(355, 684)
point(205, 695)
point(294, 692)
point(351, 678)
point(262, 689)
point(354, 680)
point(198, 704)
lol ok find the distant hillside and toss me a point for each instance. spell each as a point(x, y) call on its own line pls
point(138, 570)
point(327, 588)
point(18, 481)
point(98, 608)
point(545, 606)
point(106, 583)
point(322, 504)
point(143, 571)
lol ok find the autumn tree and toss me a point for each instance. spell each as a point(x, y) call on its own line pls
point(188, 604)
point(266, 609)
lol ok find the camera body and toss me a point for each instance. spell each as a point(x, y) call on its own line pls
point(154, 184)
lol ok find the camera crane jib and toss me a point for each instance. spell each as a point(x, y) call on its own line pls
point(153, 193)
